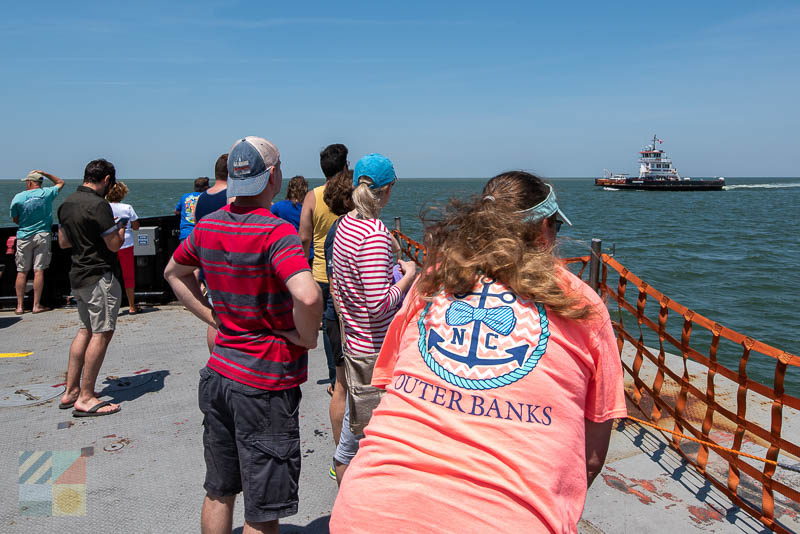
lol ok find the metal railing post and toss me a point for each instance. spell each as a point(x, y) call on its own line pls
point(397, 224)
point(594, 263)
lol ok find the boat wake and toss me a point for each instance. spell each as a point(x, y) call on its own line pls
point(761, 186)
point(611, 189)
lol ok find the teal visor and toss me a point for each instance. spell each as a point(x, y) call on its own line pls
point(544, 209)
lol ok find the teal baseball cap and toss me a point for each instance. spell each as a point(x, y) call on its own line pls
point(377, 167)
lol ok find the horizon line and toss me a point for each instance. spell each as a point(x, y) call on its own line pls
point(434, 178)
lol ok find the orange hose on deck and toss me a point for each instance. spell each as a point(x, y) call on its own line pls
point(714, 445)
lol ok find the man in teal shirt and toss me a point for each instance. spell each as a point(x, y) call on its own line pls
point(32, 210)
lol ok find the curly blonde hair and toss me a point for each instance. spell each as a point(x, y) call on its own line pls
point(486, 236)
point(117, 192)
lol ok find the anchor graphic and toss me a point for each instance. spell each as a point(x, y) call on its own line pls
point(500, 319)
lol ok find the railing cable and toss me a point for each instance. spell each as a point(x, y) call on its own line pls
point(795, 468)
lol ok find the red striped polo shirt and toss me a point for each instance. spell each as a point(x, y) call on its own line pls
point(362, 278)
point(247, 256)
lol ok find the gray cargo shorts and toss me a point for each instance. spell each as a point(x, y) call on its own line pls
point(98, 304)
point(251, 441)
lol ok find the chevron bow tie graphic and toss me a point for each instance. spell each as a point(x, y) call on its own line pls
point(500, 319)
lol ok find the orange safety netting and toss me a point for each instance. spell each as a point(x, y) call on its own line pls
point(703, 397)
point(730, 415)
point(409, 248)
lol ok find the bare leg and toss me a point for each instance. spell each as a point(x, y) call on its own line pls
point(131, 299)
point(211, 335)
point(340, 470)
point(95, 353)
point(336, 409)
point(216, 516)
point(19, 286)
point(268, 527)
point(38, 286)
point(77, 351)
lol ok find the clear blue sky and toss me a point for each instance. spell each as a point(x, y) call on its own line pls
point(443, 88)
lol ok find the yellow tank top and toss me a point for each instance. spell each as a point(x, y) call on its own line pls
point(322, 219)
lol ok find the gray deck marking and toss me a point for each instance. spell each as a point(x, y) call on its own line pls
point(27, 395)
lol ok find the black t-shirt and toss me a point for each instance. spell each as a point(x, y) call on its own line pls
point(209, 203)
point(86, 217)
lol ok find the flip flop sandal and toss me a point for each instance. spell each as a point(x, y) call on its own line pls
point(42, 310)
point(68, 405)
point(93, 410)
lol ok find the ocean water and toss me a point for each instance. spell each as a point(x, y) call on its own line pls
point(733, 256)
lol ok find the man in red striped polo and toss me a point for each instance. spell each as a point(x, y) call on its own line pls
point(267, 309)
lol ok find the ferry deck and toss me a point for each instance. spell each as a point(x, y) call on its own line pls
point(142, 470)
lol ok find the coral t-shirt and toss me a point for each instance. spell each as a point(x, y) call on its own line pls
point(482, 425)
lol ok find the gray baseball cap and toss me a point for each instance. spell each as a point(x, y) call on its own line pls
point(249, 163)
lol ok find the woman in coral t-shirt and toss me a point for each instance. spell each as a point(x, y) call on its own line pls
point(502, 379)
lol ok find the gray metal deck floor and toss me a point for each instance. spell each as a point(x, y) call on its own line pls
point(144, 466)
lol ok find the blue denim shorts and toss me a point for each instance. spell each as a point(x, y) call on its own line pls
point(348, 442)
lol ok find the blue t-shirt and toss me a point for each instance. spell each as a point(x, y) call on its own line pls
point(34, 209)
point(209, 203)
point(185, 208)
point(288, 211)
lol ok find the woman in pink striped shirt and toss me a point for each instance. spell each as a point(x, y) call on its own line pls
point(362, 277)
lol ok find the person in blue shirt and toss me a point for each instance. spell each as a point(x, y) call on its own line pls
point(186, 206)
point(289, 209)
point(32, 210)
point(216, 196)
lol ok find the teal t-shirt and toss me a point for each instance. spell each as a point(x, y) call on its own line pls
point(34, 209)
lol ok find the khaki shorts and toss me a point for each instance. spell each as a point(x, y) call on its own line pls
point(33, 252)
point(98, 304)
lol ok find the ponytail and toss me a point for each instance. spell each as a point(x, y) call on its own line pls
point(367, 201)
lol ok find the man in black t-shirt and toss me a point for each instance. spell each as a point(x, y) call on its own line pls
point(88, 228)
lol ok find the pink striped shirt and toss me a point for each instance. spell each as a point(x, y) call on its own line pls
point(362, 281)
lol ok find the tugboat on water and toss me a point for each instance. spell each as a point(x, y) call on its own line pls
point(656, 173)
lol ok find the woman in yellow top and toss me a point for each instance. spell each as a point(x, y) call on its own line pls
point(315, 221)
